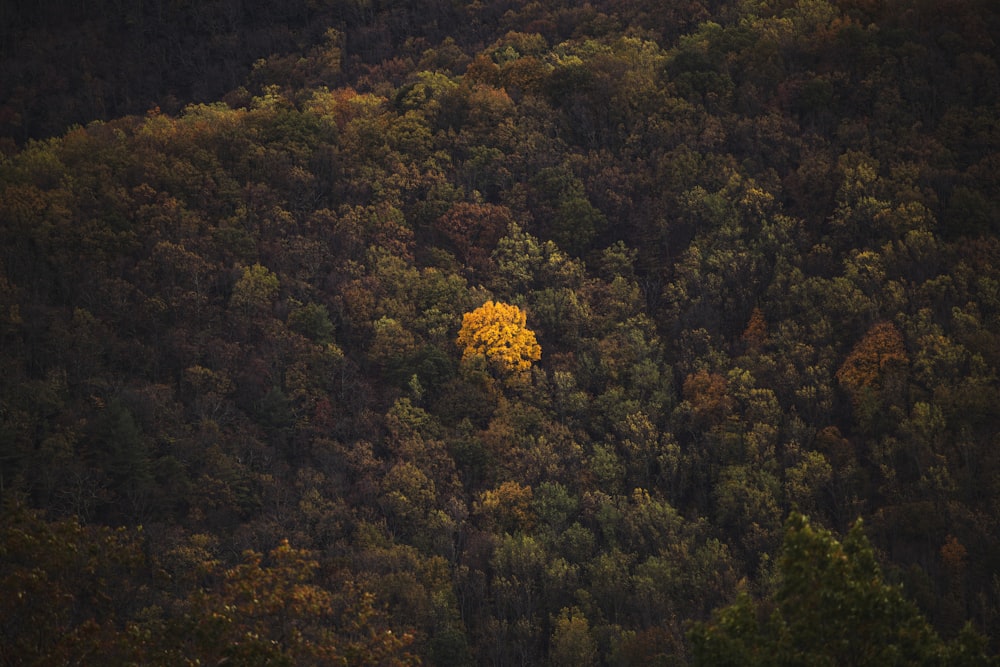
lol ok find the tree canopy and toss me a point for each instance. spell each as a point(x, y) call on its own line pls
point(832, 606)
point(499, 332)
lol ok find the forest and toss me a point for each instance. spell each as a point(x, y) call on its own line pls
point(502, 332)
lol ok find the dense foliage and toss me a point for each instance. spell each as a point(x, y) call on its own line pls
point(498, 334)
point(832, 607)
point(755, 242)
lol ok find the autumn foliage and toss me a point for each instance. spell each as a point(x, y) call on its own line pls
point(879, 352)
point(272, 389)
point(755, 334)
point(499, 333)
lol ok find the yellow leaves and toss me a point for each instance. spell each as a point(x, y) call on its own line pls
point(572, 641)
point(508, 507)
point(499, 333)
point(255, 289)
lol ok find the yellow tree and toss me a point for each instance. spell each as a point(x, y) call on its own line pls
point(499, 333)
point(572, 643)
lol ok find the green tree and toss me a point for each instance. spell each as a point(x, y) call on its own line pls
point(832, 607)
point(312, 321)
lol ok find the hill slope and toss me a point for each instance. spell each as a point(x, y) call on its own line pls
point(755, 242)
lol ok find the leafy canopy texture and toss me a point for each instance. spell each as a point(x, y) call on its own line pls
point(499, 332)
point(881, 350)
point(833, 607)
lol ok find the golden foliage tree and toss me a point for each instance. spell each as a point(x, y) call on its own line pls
point(572, 641)
point(499, 332)
point(508, 507)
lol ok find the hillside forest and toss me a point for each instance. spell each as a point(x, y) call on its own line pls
point(356, 332)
